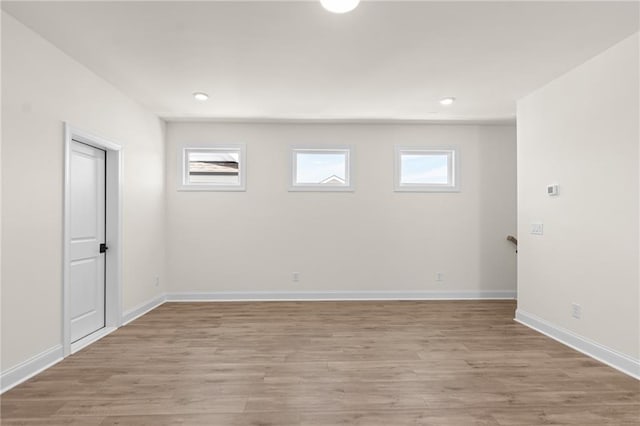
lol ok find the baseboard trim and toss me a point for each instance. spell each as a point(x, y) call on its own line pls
point(240, 296)
point(142, 309)
point(611, 357)
point(92, 338)
point(29, 368)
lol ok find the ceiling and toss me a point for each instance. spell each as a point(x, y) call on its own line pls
point(294, 60)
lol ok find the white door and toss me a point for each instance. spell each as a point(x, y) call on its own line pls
point(87, 263)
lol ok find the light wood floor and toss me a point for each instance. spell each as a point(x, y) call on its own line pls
point(326, 363)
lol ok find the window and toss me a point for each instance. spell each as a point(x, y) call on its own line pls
point(427, 169)
point(321, 169)
point(219, 168)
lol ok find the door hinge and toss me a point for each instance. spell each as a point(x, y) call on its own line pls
point(103, 248)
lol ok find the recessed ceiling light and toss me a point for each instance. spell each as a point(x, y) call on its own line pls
point(339, 6)
point(201, 96)
point(447, 101)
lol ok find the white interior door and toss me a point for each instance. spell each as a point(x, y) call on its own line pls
point(87, 219)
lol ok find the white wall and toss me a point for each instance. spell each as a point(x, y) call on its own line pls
point(41, 88)
point(581, 131)
point(370, 240)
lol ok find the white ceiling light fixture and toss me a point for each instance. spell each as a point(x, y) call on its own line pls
point(200, 96)
point(447, 101)
point(339, 6)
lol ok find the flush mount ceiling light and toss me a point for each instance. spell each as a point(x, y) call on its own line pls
point(200, 96)
point(447, 101)
point(339, 6)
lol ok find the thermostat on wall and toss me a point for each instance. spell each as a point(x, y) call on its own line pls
point(552, 189)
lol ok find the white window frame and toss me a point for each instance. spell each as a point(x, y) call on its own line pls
point(293, 168)
point(453, 154)
point(183, 168)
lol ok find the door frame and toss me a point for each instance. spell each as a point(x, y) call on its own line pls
point(113, 237)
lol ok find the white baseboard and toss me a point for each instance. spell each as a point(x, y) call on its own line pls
point(92, 338)
point(611, 357)
point(29, 368)
point(142, 309)
point(229, 296)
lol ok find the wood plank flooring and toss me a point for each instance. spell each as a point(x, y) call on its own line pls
point(326, 363)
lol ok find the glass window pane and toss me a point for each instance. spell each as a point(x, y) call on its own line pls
point(321, 168)
point(214, 167)
point(424, 169)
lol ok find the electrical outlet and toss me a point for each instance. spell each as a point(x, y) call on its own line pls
point(576, 311)
point(295, 277)
point(439, 276)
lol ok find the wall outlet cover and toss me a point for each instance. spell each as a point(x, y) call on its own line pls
point(576, 311)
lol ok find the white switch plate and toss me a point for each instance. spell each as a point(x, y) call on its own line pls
point(537, 229)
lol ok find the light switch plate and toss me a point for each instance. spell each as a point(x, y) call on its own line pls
point(537, 229)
